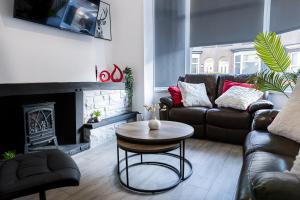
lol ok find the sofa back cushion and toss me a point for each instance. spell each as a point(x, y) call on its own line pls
point(194, 95)
point(176, 95)
point(210, 81)
point(241, 78)
point(239, 98)
point(229, 84)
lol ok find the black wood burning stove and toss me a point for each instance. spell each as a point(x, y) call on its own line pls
point(39, 122)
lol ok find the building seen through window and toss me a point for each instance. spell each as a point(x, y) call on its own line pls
point(295, 57)
point(223, 66)
point(209, 65)
point(246, 62)
point(241, 58)
point(195, 64)
point(225, 59)
point(291, 40)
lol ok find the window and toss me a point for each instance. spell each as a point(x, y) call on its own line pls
point(209, 65)
point(223, 66)
point(291, 41)
point(222, 50)
point(195, 64)
point(239, 58)
point(295, 57)
point(246, 62)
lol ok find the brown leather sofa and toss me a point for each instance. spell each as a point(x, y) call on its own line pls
point(220, 124)
point(267, 157)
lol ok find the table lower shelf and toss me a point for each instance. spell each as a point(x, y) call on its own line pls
point(139, 150)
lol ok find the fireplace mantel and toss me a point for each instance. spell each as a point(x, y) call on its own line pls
point(13, 89)
point(69, 109)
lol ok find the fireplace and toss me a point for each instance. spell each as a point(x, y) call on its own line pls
point(39, 127)
point(19, 100)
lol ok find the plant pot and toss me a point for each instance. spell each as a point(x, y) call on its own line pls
point(94, 120)
point(154, 124)
point(98, 119)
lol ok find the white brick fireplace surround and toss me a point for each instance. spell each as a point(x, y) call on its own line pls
point(110, 103)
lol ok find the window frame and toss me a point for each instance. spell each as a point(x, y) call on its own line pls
point(291, 53)
point(243, 54)
point(198, 63)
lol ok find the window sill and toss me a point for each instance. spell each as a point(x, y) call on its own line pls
point(279, 93)
point(161, 89)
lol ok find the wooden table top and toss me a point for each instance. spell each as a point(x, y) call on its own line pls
point(140, 132)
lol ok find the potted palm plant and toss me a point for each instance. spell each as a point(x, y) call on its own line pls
point(277, 77)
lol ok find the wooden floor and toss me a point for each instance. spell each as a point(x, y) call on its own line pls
point(216, 170)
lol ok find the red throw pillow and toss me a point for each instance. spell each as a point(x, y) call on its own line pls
point(176, 95)
point(228, 84)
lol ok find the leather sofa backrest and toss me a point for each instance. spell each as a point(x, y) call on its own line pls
point(241, 78)
point(181, 78)
point(210, 81)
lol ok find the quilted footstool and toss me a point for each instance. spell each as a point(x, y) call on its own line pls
point(36, 173)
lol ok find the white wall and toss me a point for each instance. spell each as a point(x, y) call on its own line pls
point(35, 53)
point(148, 53)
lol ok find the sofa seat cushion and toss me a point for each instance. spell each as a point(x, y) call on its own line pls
point(35, 172)
point(232, 136)
point(228, 118)
point(257, 163)
point(276, 186)
point(268, 142)
point(189, 115)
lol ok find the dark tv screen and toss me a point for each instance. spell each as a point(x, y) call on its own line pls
point(78, 16)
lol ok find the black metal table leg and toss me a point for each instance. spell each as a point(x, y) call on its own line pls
point(180, 159)
point(141, 158)
point(183, 158)
point(118, 157)
point(127, 176)
point(42, 195)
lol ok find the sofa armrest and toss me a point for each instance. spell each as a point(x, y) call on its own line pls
point(263, 118)
point(276, 185)
point(1, 163)
point(259, 105)
point(167, 101)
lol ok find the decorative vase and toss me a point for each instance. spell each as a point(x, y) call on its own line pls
point(154, 124)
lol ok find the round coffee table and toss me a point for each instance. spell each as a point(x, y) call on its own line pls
point(137, 138)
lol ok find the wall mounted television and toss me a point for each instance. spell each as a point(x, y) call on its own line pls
point(79, 16)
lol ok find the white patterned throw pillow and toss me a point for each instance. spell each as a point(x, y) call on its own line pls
point(194, 94)
point(238, 97)
point(287, 122)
